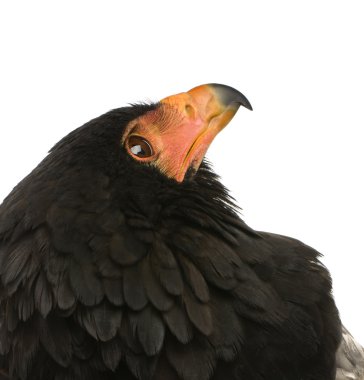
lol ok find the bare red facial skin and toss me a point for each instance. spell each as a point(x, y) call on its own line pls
point(180, 130)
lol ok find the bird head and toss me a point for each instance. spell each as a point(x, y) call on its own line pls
point(142, 157)
point(143, 151)
point(171, 136)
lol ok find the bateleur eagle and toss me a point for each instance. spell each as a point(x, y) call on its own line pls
point(122, 256)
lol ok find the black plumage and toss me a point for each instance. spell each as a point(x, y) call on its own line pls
point(111, 270)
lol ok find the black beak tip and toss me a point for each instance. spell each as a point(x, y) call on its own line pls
point(247, 104)
point(229, 95)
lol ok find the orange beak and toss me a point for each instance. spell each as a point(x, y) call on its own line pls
point(184, 125)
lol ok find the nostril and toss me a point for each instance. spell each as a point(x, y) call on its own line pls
point(189, 110)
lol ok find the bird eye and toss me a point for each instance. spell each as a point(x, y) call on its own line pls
point(139, 147)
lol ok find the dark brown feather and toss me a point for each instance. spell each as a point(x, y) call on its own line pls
point(110, 270)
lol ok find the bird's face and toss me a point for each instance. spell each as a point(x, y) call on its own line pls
point(175, 136)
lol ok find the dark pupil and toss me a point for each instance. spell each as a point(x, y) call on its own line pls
point(139, 147)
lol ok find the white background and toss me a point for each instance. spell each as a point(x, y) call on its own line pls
point(295, 164)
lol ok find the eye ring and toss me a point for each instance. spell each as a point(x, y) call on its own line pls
point(139, 147)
